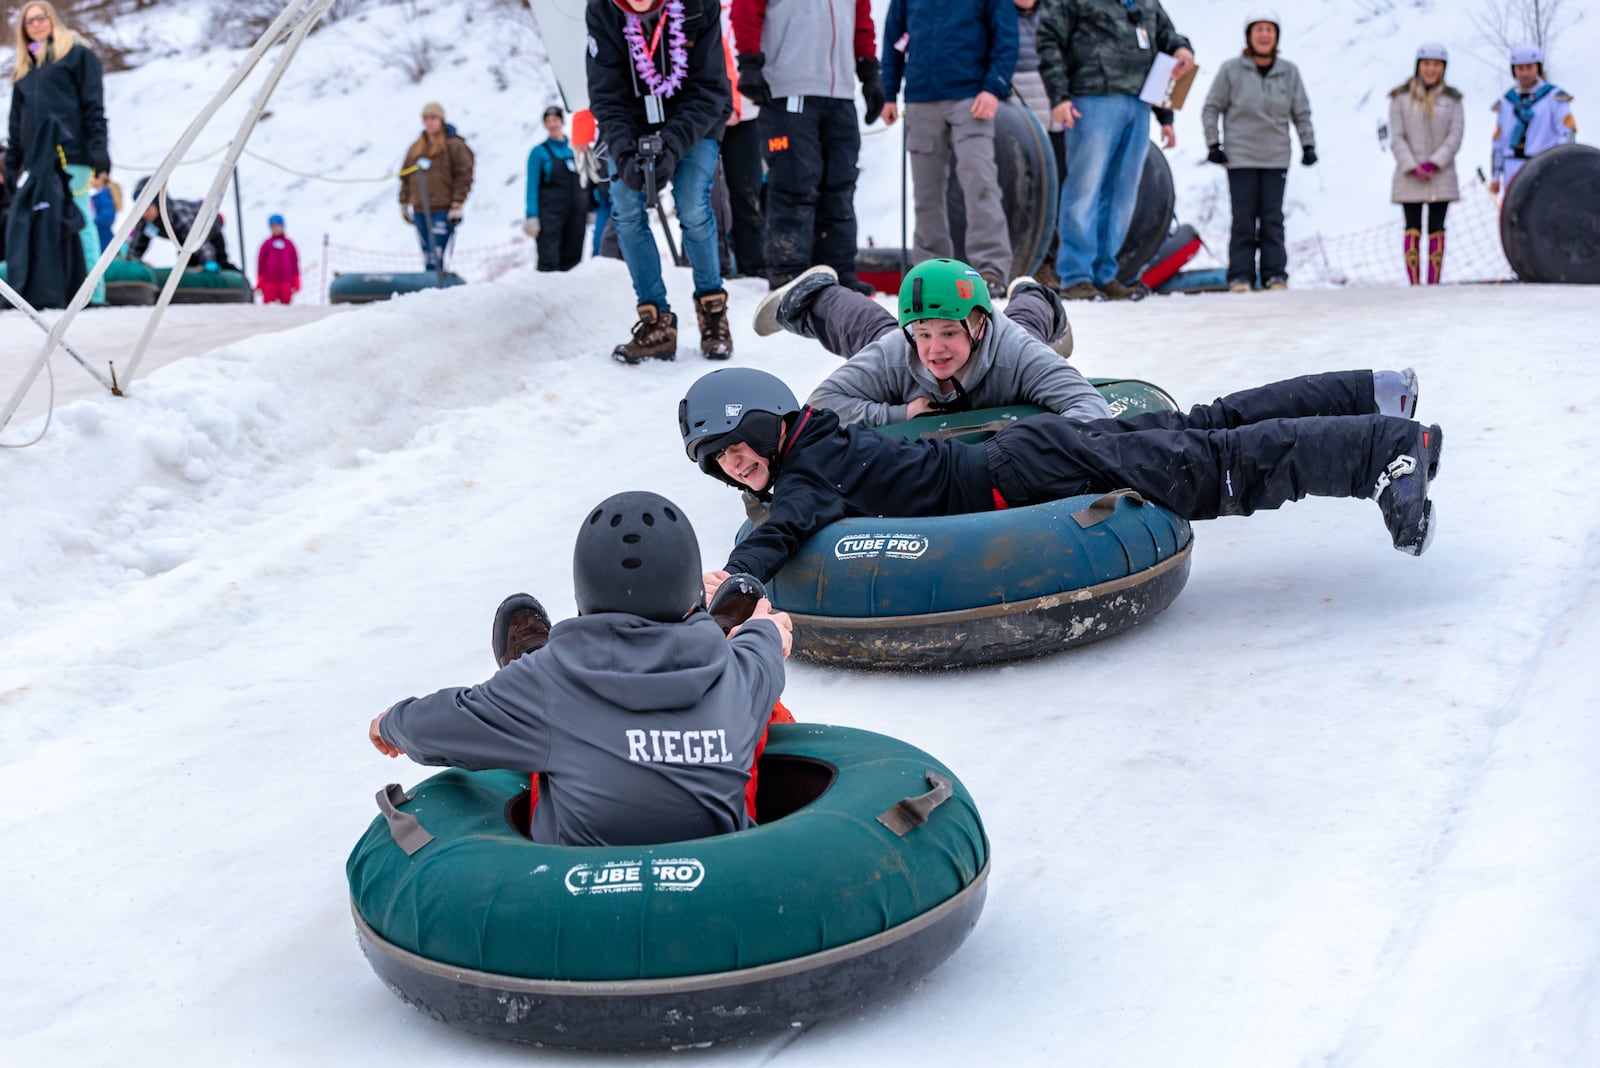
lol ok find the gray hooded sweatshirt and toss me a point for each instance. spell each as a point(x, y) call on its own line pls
point(641, 732)
point(1011, 366)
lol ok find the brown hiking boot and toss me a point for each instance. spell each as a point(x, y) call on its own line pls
point(1082, 291)
point(655, 337)
point(716, 340)
point(1117, 291)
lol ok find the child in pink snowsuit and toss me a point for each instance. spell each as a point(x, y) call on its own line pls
point(277, 266)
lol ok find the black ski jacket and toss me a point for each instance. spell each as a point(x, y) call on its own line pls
point(183, 214)
point(698, 109)
point(45, 256)
point(69, 90)
point(827, 472)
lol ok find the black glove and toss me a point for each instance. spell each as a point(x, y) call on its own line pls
point(630, 171)
point(1308, 157)
point(871, 87)
point(1216, 155)
point(100, 161)
point(666, 164)
point(752, 82)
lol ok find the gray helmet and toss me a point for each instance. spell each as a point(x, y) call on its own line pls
point(1527, 53)
point(731, 405)
point(1433, 50)
point(1262, 14)
point(637, 553)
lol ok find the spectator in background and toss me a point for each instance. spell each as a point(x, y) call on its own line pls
point(796, 63)
point(212, 255)
point(1094, 56)
point(5, 208)
point(1533, 115)
point(743, 170)
point(1256, 95)
point(55, 75)
point(1426, 124)
point(658, 70)
point(434, 182)
point(557, 209)
point(106, 199)
point(277, 266)
point(956, 58)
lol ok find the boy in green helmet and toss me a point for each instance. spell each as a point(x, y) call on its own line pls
point(949, 351)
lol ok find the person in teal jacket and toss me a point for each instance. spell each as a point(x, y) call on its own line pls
point(557, 209)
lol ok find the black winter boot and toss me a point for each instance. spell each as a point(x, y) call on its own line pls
point(521, 625)
point(1402, 493)
point(735, 600)
point(711, 309)
point(655, 337)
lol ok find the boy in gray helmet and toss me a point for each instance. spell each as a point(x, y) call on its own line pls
point(640, 719)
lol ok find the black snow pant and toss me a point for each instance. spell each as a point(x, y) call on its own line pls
point(1258, 449)
point(847, 322)
point(563, 213)
point(1436, 211)
point(1257, 195)
point(741, 165)
point(811, 185)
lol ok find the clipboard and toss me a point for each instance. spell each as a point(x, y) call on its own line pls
point(1161, 89)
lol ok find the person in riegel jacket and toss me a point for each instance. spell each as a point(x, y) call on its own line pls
point(1426, 123)
point(1256, 96)
point(640, 718)
point(657, 71)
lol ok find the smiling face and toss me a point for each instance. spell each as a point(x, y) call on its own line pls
point(1263, 38)
point(1526, 74)
point(1430, 71)
point(745, 466)
point(36, 20)
point(552, 127)
point(943, 345)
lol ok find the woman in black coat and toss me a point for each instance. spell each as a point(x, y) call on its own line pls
point(56, 75)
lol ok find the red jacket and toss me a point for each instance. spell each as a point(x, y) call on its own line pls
point(278, 263)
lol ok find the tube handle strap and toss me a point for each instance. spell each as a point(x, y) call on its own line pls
point(407, 833)
point(912, 812)
point(1104, 506)
point(945, 433)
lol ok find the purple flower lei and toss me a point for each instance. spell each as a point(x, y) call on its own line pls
point(677, 51)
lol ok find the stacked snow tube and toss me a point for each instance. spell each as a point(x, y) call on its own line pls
point(867, 869)
point(208, 287)
point(1025, 166)
point(952, 591)
point(1550, 222)
point(1152, 215)
point(367, 287)
point(131, 282)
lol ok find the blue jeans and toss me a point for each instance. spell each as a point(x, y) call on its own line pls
point(443, 232)
point(691, 192)
point(602, 213)
point(1105, 159)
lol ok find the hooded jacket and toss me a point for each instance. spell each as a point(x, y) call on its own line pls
point(1010, 366)
point(1256, 110)
point(641, 732)
point(448, 177)
point(45, 256)
point(949, 49)
point(811, 48)
point(1420, 134)
point(826, 472)
point(68, 89)
point(698, 109)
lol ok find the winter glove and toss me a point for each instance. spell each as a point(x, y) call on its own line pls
point(1216, 155)
point(454, 214)
point(100, 162)
point(630, 172)
point(1308, 157)
point(867, 72)
point(752, 82)
point(666, 165)
point(530, 226)
point(405, 211)
point(1425, 170)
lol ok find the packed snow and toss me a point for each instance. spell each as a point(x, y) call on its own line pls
point(1334, 806)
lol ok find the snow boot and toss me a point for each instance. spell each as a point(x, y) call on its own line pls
point(735, 600)
point(655, 337)
point(1413, 250)
point(711, 309)
point(1402, 493)
point(1059, 333)
point(1084, 290)
point(783, 308)
point(1395, 393)
point(521, 625)
point(1117, 291)
point(1435, 257)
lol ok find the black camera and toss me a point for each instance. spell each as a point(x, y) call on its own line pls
point(651, 146)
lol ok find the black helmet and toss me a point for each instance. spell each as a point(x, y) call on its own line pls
point(637, 553)
point(731, 405)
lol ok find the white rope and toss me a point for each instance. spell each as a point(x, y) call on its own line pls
point(309, 13)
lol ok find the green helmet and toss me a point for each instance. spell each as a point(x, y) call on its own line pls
point(942, 289)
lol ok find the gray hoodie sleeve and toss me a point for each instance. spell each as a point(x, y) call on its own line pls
point(472, 727)
point(1217, 101)
point(1300, 112)
point(871, 388)
point(1024, 370)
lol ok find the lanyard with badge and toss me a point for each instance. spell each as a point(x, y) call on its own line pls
point(654, 112)
point(1136, 17)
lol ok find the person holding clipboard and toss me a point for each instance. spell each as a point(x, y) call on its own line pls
point(1094, 56)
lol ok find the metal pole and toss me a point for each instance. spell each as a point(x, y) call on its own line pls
point(905, 255)
point(238, 210)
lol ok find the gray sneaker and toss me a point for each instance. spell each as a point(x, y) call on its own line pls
point(782, 307)
point(1395, 392)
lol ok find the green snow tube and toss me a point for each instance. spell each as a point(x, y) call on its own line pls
point(127, 282)
point(867, 869)
point(208, 287)
point(367, 287)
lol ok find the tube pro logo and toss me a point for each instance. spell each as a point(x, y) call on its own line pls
point(899, 546)
point(630, 876)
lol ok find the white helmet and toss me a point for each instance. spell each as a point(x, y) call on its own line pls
point(1433, 50)
point(1262, 14)
point(1527, 53)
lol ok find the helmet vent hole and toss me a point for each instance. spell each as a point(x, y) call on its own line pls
point(670, 514)
point(616, 520)
point(632, 563)
point(630, 539)
point(595, 518)
point(649, 520)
